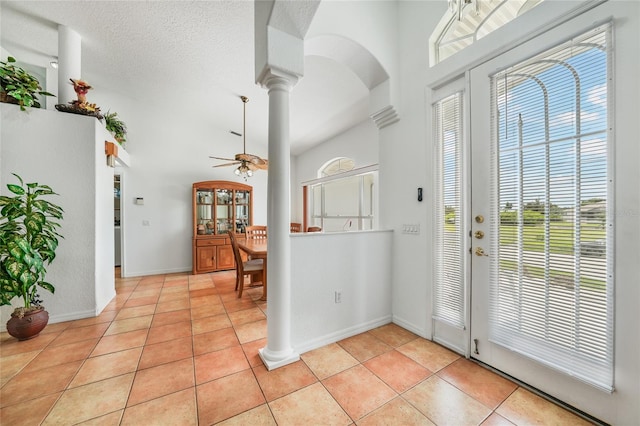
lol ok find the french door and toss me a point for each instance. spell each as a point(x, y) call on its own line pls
point(541, 244)
point(523, 236)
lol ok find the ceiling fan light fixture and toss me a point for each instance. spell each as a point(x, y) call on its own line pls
point(247, 162)
point(244, 171)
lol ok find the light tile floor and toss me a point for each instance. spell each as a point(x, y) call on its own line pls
point(183, 350)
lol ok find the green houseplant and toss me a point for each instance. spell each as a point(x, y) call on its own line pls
point(28, 240)
point(18, 86)
point(116, 127)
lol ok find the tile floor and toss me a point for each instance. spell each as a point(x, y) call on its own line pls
point(182, 350)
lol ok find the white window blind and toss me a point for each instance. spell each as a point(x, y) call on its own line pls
point(551, 283)
point(449, 297)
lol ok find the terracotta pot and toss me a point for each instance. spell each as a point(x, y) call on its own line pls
point(29, 326)
point(7, 99)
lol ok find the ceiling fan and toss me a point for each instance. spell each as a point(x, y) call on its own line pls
point(247, 163)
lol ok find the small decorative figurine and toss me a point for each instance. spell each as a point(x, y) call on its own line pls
point(80, 105)
point(81, 88)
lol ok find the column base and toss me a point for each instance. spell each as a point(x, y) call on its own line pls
point(273, 362)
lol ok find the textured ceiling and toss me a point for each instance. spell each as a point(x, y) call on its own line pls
point(197, 54)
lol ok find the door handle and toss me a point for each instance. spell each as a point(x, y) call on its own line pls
point(480, 252)
point(479, 235)
point(479, 218)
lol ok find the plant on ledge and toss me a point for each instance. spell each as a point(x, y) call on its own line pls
point(28, 240)
point(116, 127)
point(18, 86)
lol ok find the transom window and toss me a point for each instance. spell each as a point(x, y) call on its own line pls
point(469, 20)
point(339, 165)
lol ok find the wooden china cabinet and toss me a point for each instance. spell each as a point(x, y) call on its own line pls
point(219, 207)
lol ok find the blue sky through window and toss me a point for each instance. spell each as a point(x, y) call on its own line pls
point(545, 97)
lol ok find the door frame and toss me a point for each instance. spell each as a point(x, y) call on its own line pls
point(590, 14)
point(121, 173)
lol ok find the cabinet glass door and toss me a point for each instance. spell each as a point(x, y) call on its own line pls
point(224, 211)
point(242, 210)
point(204, 202)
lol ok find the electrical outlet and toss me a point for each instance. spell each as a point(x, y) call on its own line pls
point(338, 296)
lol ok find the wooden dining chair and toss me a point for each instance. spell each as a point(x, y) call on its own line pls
point(314, 229)
point(295, 227)
point(256, 231)
point(254, 268)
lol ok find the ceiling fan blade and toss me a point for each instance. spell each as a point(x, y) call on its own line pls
point(250, 158)
point(222, 158)
point(258, 161)
point(227, 164)
point(246, 157)
point(263, 165)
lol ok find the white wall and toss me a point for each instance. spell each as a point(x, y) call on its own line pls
point(376, 30)
point(169, 149)
point(357, 264)
point(397, 34)
point(104, 235)
point(66, 152)
point(405, 165)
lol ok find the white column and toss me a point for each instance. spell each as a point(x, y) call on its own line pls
point(278, 351)
point(69, 62)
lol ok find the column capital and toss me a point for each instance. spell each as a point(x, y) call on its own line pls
point(276, 78)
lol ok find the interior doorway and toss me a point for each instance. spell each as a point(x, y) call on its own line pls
point(117, 224)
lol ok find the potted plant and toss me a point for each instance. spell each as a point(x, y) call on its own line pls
point(116, 127)
point(28, 240)
point(18, 86)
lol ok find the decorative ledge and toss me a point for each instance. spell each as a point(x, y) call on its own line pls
point(385, 117)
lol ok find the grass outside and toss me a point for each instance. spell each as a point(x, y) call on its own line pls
point(561, 239)
point(554, 274)
point(561, 236)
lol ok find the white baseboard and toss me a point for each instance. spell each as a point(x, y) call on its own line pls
point(99, 309)
point(132, 274)
point(411, 327)
point(327, 339)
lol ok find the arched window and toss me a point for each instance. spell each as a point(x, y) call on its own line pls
point(469, 20)
point(334, 167)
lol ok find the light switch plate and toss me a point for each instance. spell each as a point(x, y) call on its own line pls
point(413, 229)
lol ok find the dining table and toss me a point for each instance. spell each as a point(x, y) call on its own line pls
point(256, 248)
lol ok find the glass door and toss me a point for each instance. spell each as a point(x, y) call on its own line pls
point(224, 211)
point(541, 283)
point(242, 200)
point(204, 205)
